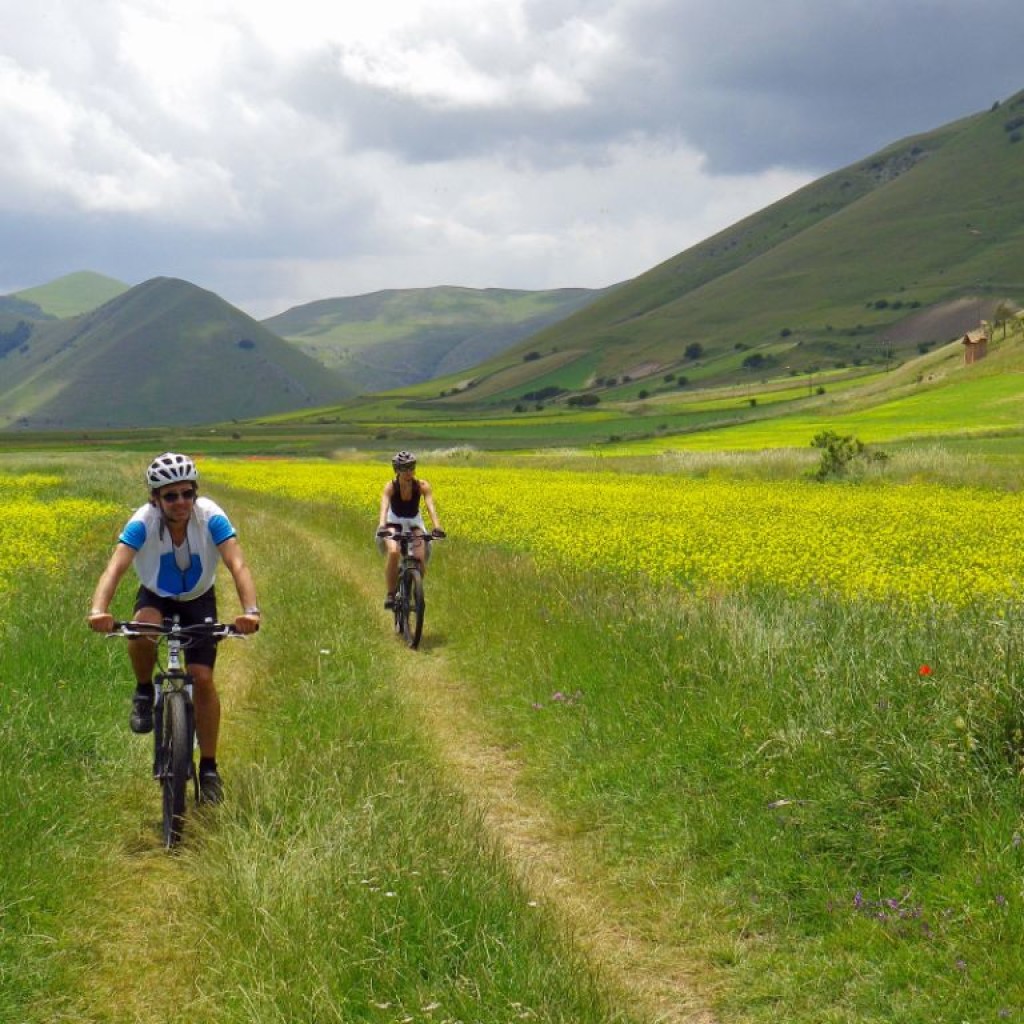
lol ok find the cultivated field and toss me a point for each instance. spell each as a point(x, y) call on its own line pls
point(706, 746)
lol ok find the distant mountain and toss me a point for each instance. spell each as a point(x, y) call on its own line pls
point(72, 294)
point(393, 338)
point(838, 273)
point(162, 353)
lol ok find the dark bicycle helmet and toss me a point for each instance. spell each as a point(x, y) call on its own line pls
point(170, 468)
point(403, 460)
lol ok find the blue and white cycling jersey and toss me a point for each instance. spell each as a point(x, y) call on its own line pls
point(184, 572)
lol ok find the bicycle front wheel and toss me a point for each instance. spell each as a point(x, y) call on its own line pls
point(176, 766)
point(415, 603)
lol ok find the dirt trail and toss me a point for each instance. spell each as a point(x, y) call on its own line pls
point(655, 979)
point(131, 924)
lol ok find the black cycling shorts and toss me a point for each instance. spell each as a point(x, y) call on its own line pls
point(203, 652)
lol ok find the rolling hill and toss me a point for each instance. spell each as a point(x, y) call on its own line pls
point(395, 338)
point(859, 272)
point(837, 274)
point(72, 294)
point(162, 353)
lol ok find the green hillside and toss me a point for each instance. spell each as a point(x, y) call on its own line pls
point(836, 274)
point(394, 338)
point(73, 293)
point(164, 352)
point(837, 291)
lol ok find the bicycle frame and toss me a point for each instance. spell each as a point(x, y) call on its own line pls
point(174, 733)
point(409, 599)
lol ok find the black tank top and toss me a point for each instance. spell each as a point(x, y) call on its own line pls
point(405, 509)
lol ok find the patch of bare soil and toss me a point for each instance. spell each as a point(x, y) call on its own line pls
point(942, 322)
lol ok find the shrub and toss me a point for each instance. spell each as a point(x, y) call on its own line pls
point(838, 452)
point(551, 391)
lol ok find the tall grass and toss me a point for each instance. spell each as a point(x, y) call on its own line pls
point(823, 797)
point(66, 787)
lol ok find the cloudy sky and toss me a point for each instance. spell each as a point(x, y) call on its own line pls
point(281, 152)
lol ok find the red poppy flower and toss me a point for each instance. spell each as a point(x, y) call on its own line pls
point(924, 670)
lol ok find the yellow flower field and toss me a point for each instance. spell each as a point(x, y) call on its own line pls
point(915, 542)
point(38, 529)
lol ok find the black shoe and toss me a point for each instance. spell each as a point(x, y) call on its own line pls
point(141, 719)
point(389, 601)
point(211, 789)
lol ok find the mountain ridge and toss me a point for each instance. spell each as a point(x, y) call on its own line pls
point(164, 352)
point(395, 337)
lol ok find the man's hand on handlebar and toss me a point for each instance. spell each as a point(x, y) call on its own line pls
point(100, 622)
point(438, 534)
point(247, 624)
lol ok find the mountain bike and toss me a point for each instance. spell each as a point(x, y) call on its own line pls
point(174, 719)
point(409, 602)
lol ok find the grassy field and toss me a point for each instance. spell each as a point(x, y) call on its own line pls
point(592, 796)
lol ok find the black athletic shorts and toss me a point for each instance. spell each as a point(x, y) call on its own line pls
point(189, 613)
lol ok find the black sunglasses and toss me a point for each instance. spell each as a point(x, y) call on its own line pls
point(188, 495)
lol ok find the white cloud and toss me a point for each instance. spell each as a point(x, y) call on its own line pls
point(278, 153)
point(62, 153)
point(488, 224)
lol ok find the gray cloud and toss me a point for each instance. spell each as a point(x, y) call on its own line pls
point(278, 156)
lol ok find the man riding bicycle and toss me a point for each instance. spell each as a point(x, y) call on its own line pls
point(175, 542)
point(400, 510)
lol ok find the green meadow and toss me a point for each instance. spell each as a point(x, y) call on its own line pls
point(584, 799)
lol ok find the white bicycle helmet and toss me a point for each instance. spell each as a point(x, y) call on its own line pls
point(403, 460)
point(170, 468)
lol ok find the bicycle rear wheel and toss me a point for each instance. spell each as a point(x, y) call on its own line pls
point(176, 766)
point(415, 603)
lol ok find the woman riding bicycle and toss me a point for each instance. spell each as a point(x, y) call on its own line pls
point(175, 542)
point(400, 510)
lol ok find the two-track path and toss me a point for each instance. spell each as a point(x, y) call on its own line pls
point(133, 921)
point(655, 979)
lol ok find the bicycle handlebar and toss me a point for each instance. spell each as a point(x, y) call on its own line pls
point(132, 629)
point(396, 533)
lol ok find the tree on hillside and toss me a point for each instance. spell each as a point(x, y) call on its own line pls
point(1002, 315)
point(694, 350)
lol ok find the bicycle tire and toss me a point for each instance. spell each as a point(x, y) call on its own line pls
point(413, 627)
point(177, 765)
point(399, 608)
